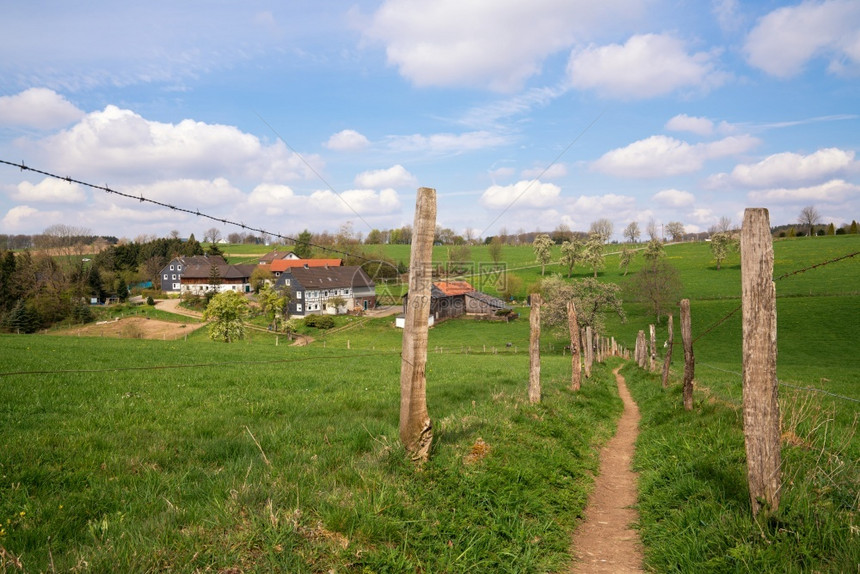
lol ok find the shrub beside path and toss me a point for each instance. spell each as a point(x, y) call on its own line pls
point(605, 541)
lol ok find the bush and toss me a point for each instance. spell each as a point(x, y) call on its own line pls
point(150, 301)
point(81, 313)
point(319, 321)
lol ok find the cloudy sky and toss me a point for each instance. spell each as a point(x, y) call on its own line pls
point(523, 115)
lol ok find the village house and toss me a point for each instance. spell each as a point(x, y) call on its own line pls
point(278, 266)
point(449, 299)
point(198, 279)
point(312, 290)
point(171, 274)
point(276, 255)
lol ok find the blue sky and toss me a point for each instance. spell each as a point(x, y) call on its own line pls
point(523, 115)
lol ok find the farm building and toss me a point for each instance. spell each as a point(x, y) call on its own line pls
point(327, 290)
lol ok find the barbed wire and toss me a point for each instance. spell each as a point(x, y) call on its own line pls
point(784, 384)
point(783, 276)
point(141, 198)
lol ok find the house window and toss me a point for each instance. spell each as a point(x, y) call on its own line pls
point(171, 267)
point(287, 282)
point(173, 276)
point(176, 286)
point(179, 267)
point(299, 307)
point(165, 276)
point(298, 294)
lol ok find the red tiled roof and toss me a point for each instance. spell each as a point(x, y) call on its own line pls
point(284, 264)
point(451, 288)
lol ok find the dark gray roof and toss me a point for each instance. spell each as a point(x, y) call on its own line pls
point(494, 302)
point(329, 277)
point(225, 271)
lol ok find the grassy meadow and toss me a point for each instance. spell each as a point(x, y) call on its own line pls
point(190, 455)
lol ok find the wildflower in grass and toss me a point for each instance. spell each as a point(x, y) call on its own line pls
point(23, 514)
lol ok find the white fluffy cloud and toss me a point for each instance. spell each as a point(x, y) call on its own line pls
point(787, 168)
point(646, 66)
point(685, 123)
point(38, 108)
point(498, 44)
point(355, 201)
point(121, 143)
point(786, 39)
point(396, 177)
point(832, 191)
point(49, 190)
point(660, 155)
point(281, 200)
point(347, 140)
point(523, 194)
point(23, 218)
point(191, 193)
point(675, 197)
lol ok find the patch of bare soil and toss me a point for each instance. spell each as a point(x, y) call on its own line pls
point(133, 328)
point(605, 542)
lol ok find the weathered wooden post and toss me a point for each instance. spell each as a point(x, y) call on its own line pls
point(575, 362)
point(416, 430)
point(588, 351)
point(534, 349)
point(652, 356)
point(689, 359)
point(761, 397)
point(643, 351)
point(670, 343)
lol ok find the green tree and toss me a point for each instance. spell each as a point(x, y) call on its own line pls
point(853, 228)
point(495, 249)
point(592, 253)
point(721, 244)
point(626, 258)
point(831, 229)
point(571, 254)
point(302, 248)
point(337, 302)
point(593, 300)
point(654, 250)
point(227, 312)
point(274, 303)
point(260, 277)
point(658, 285)
point(543, 250)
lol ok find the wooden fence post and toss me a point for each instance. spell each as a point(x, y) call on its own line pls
point(534, 349)
point(761, 396)
point(575, 362)
point(652, 356)
point(670, 343)
point(689, 359)
point(588, 352)
point(416, 430)
point(643, 351)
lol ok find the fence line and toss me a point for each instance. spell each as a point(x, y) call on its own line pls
point(784, 384)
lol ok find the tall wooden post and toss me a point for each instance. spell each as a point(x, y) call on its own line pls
point(652, 356)
point(416, 430)
point(670, 343)
point(588, 352)
point(534, 349)
point(643, 352)
point(761, 397)
point(689, 359)
point(575, 362)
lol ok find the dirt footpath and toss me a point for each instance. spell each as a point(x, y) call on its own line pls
point(605, 542)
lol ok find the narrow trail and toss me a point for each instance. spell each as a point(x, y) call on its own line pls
point(605, 542)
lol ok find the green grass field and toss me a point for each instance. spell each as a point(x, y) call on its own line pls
point(132, 455)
